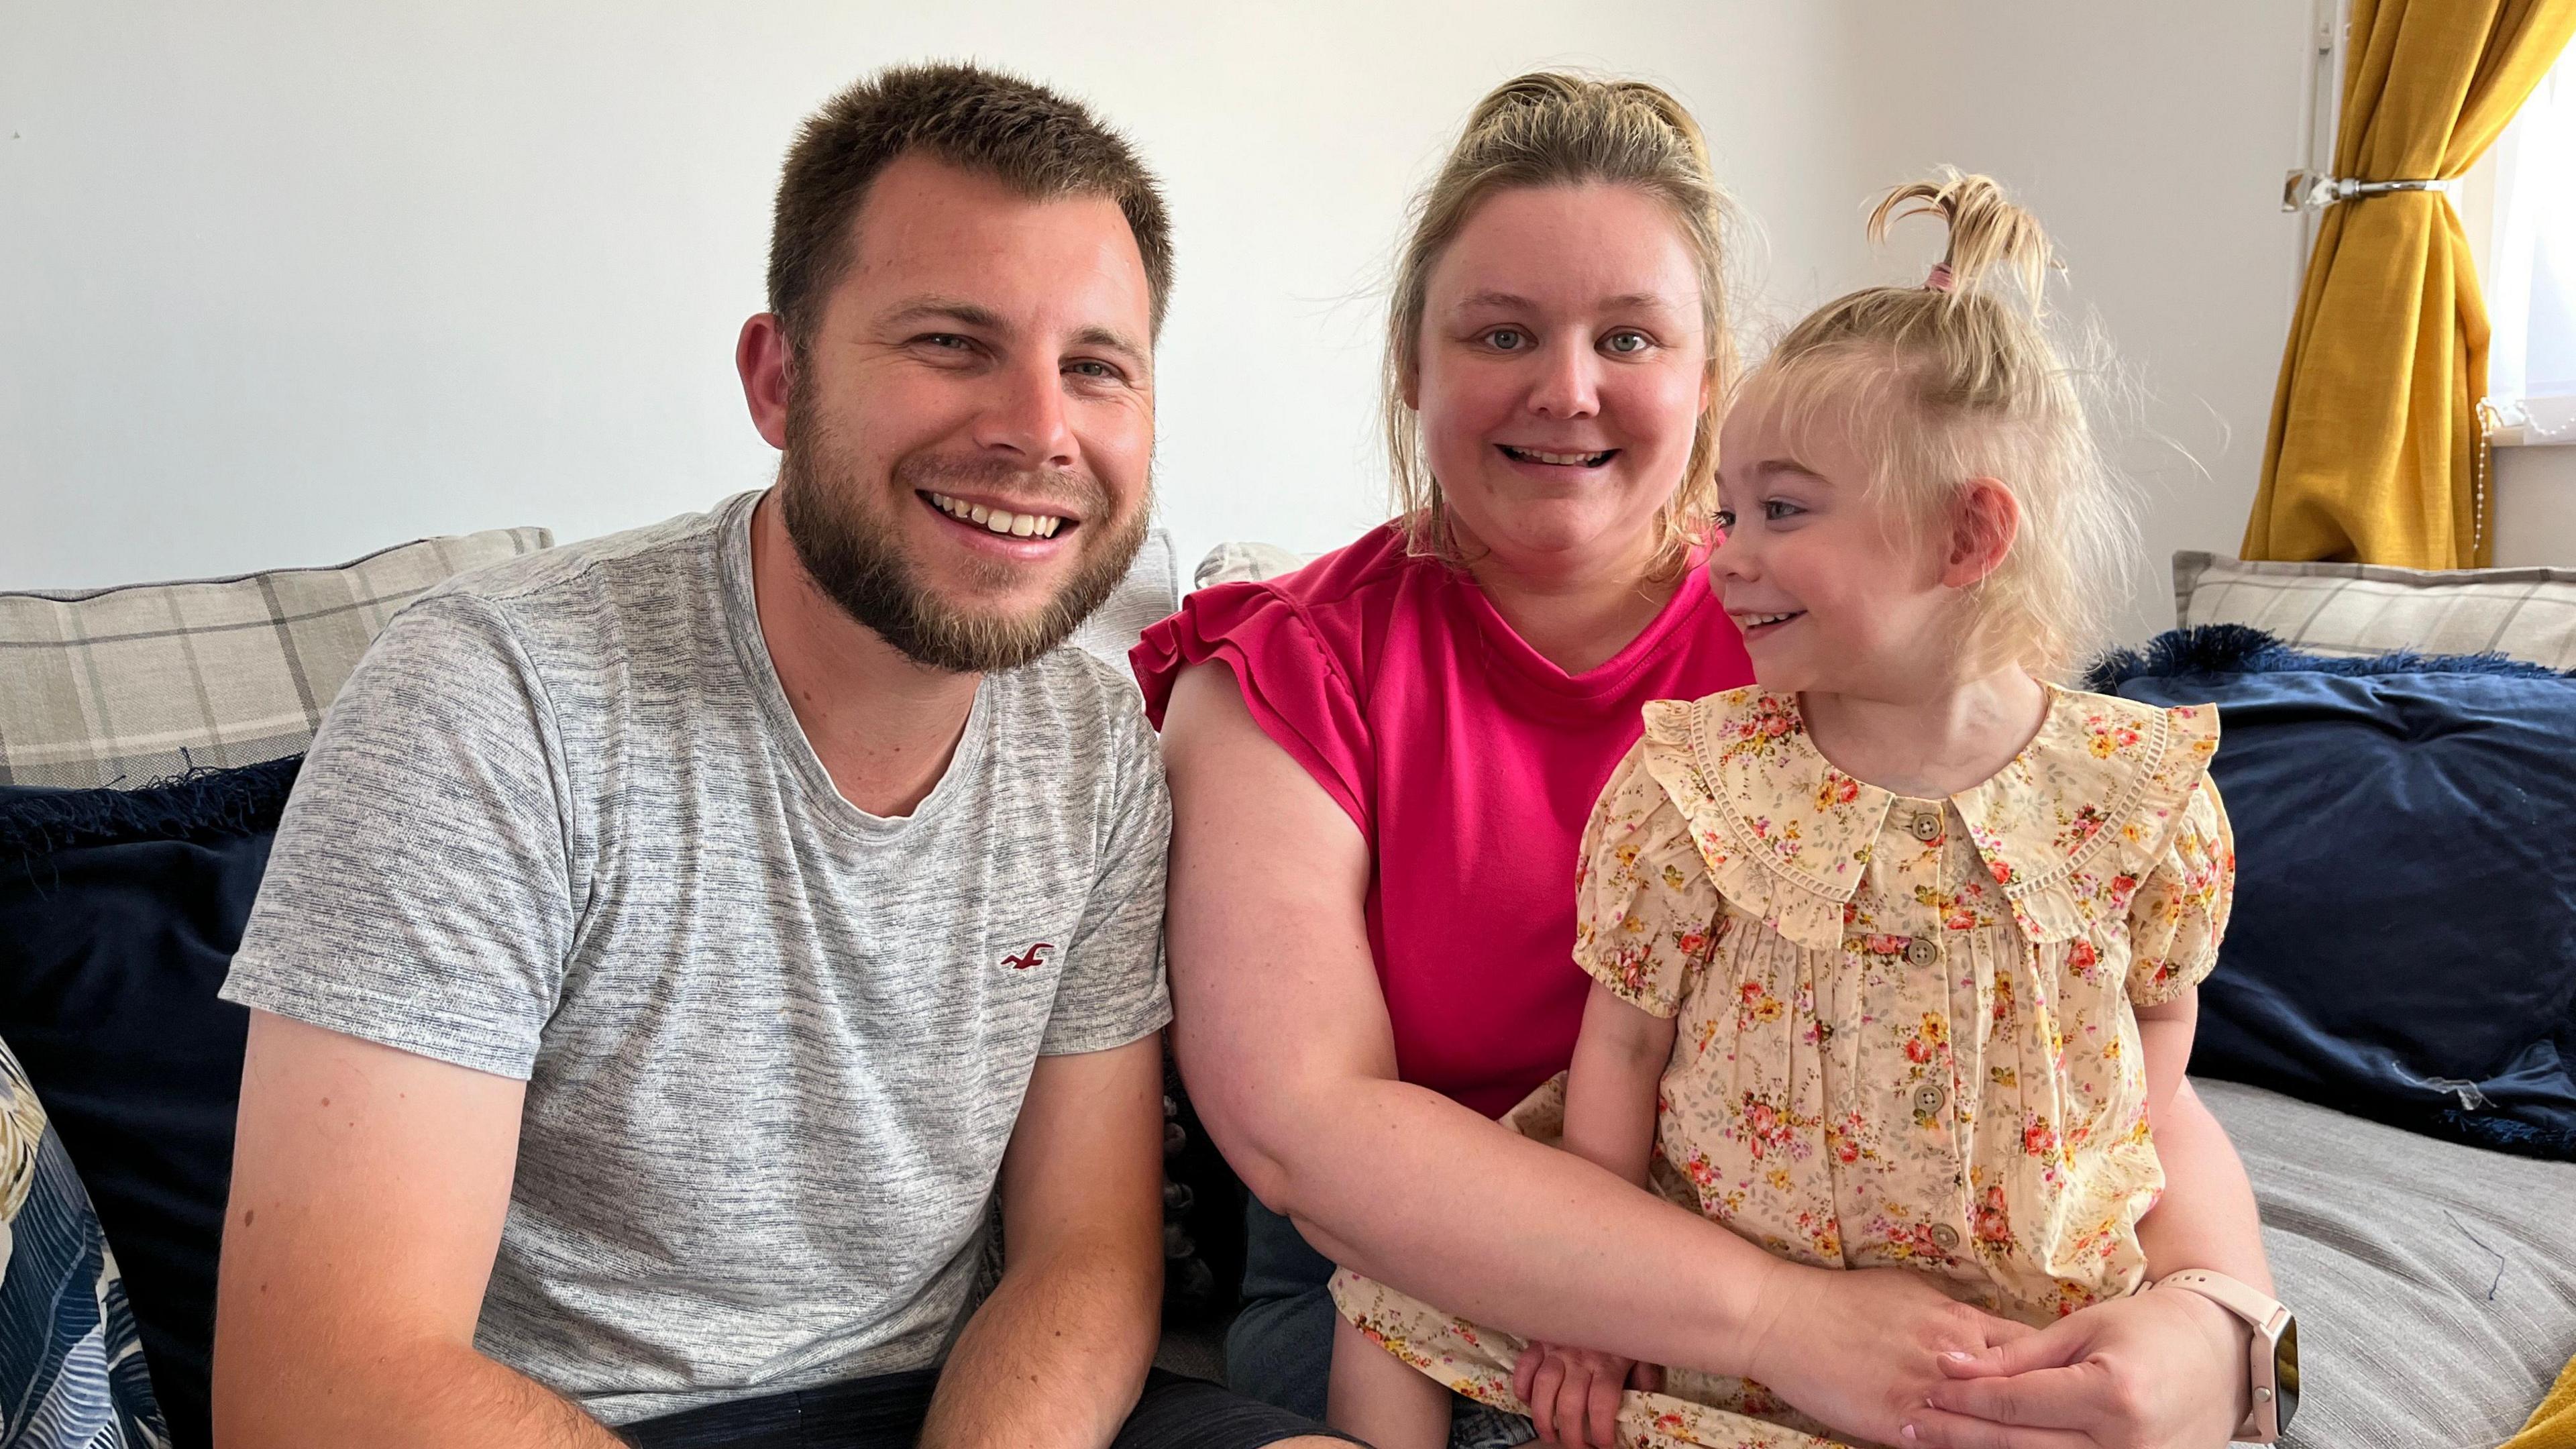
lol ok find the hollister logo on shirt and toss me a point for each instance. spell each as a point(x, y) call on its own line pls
point(1034, 956)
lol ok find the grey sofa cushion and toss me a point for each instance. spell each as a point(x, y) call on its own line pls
point(124, 685)
point(1149, 594)
point(2435, 1283)
point(2354, 609)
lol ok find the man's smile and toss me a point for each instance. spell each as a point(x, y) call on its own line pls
point(1023, 523)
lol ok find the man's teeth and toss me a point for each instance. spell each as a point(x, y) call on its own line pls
point(999, 520)
point(1573, 460)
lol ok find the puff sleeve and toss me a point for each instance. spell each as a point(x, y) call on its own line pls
point(1296, 690)
point(2179, 913)
point(1646, 916)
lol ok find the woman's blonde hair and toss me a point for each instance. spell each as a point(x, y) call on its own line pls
point(1959, 379)
point(1555, 128)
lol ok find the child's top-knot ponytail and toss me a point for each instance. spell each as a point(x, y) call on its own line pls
point(1988, 234)
point(1958, 378)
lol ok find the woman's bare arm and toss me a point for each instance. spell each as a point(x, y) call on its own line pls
point(1283, 1036)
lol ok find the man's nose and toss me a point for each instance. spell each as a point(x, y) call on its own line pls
point(1027, 416)
point(1568, 384)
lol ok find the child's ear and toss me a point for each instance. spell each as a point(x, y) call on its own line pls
point(1983, 525)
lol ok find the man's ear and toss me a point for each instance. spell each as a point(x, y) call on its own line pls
point(1983, 524)
point(765, 359)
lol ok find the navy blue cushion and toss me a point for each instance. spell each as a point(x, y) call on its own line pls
point(119, 913)
point(71, 1370)
point(2404, 939)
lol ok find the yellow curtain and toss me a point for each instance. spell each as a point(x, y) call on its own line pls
point(2553, 1424)
point(2375, 445)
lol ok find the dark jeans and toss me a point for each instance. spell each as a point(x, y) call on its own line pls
point(1280, 1346)
point(1280, 1349)
point(886, 1413)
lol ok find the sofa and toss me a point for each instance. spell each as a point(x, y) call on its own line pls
point(2435, 1280)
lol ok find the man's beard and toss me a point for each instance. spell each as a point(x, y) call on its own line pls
point(856, 555)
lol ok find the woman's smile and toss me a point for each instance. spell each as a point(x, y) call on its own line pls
point(1575, 460)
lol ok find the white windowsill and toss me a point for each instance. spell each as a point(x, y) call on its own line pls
point(2516, 429)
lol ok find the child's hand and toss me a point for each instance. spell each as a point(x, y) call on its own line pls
point(1573, 1393)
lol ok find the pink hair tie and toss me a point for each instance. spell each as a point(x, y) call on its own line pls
point(1939, 281)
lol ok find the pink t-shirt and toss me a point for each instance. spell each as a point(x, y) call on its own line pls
point(1469, 763)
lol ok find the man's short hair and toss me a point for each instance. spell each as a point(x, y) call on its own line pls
point(1027, 137)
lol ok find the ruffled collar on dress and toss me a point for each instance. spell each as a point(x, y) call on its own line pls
point(2067, 829)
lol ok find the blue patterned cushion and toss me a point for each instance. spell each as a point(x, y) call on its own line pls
point(71, 1364)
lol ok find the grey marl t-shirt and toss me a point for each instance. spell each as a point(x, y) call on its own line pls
point(563, 826)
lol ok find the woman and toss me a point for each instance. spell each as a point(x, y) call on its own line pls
point(1380, 768)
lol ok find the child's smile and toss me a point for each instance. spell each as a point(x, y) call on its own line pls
point(1763, 626)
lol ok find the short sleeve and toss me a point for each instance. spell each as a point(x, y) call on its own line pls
point(421, 892)
point(1645, 912)
point(1111, 990)
point(2180, 913)
point(1296, 690)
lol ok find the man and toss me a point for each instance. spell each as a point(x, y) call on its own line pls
point(677, 939)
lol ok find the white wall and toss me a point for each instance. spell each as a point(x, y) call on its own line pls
point(281, 283)
point(2150, 140)
point(2535, 505)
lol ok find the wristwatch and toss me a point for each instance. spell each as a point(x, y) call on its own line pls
point(2274, 1358)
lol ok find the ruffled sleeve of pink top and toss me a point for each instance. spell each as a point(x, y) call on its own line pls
point(1291, 680)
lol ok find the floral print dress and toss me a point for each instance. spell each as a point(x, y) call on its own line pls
point(1905, 1034)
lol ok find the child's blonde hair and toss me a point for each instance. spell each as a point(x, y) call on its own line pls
point(1951, 381)
point(1557, 128)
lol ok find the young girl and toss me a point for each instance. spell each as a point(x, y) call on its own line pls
point(1894, 952)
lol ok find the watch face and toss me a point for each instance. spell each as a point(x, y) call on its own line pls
point(2285, 1370)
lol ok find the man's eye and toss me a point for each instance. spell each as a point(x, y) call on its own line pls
point(1100, 370)
point(944, 341)
point(1507, 339)
point(1626, 344)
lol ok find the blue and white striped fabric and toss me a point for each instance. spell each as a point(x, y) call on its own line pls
point(71, 1364)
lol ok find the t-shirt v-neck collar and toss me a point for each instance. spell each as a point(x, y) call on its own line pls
point(751, 649)
point(1605, 680)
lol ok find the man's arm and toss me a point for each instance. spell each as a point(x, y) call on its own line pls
point(1058, 1354)
point(369, 1186)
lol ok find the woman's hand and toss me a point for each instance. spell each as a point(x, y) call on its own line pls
point(2149, 1371)
point(1862, 1348)
point(1573, 1393)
